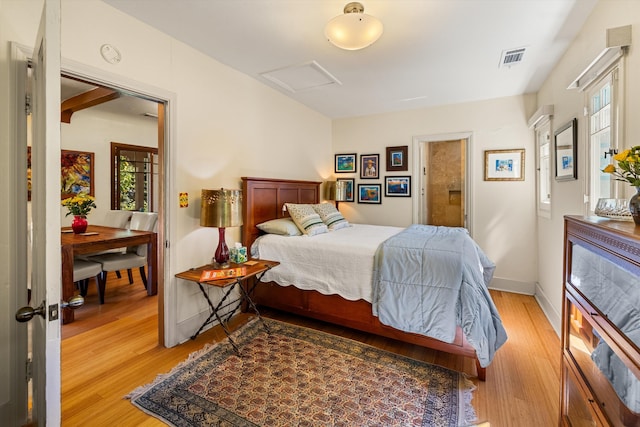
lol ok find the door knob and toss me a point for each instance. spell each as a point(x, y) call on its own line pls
point(25, 314)
point(74, 302)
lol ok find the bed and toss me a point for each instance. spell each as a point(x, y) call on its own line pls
point(263, 201)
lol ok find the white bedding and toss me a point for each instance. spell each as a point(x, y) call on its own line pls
point(350, 251)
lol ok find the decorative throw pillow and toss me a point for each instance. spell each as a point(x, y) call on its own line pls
point(331, 216)
point(281, 226)
point(306, 218)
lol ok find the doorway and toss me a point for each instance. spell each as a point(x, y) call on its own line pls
point(111, 104)
point(445, 183)
point(443, 170)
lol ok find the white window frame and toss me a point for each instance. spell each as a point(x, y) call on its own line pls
point(613, 74)
point(542, 131)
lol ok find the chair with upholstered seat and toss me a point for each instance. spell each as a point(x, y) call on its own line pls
point(83, 270)
point(115, 219)
point(135, 256)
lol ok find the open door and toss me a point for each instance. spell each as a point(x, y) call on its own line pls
point(44, 367)
point(45, 208)
point(13, 265)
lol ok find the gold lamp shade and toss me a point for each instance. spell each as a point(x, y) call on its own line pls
point(335, 190)
point(221, 208)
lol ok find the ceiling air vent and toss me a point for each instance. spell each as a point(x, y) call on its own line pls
point(511, 57)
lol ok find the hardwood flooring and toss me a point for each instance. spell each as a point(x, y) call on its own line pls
point(112, 349)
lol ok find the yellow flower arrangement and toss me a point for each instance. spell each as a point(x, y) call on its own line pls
point(79, 205)
point(628, 168)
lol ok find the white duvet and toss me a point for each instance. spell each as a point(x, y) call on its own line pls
point(339, 262)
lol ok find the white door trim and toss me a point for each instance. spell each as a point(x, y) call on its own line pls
point(136, 88)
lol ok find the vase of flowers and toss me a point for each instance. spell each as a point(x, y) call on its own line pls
point(628, 170)
point(79, 206)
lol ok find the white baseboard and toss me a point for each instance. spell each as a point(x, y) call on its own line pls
point(549, 311)
point(514, 286)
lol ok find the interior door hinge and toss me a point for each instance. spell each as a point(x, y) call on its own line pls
point(27, 104)
point(28, 370)
point(166, 244)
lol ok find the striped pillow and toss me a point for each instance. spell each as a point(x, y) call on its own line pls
point(306, 218)
point(331, 216)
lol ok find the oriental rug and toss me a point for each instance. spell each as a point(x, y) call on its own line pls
point(298, 376)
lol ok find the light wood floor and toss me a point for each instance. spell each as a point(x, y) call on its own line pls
point(112, 349)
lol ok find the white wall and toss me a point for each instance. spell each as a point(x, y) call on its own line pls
point(567, 197)
point(503, 212)
point(93, 131)
point(225, 125)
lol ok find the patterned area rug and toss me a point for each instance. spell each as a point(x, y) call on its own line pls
point(301, 377)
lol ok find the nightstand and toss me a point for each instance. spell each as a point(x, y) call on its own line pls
point(251, 279)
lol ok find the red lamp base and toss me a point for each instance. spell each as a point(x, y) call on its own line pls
point(221, 257)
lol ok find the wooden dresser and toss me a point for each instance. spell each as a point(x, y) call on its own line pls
point(601, 323)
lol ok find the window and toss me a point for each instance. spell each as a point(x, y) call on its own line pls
point(134, 177)
point(543, 178)
point(603, 116)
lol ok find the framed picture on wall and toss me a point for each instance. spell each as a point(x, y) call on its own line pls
point(369, 193)
point(350, 188)
point(397, 159)
point(566, 149)
point(76, 173)
point(369, 166)
point(345, 163)
point(397, 186)
point(504, 165)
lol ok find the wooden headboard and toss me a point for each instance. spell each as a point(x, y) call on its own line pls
point(264, 199)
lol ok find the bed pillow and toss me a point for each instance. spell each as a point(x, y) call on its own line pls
point(331, 216)
point(281, 226)
point(306, 218)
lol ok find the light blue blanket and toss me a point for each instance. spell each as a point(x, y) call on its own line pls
point(429, 279)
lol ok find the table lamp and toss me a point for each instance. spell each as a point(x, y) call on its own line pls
point(221, 208)
point(336, 191)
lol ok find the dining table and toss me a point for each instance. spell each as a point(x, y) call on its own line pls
point(100, 238)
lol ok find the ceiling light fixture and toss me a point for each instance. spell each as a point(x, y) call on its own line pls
point(354, 29)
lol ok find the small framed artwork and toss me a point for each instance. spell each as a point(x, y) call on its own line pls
point(397, 186)
point(397, 159)
point(345, 163)
point(504, 165)
point(76, 173)
point(369, 193)
point(566, 148)
point(349, 193)
point(369, 166)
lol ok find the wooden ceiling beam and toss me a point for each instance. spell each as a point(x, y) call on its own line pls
point(85, 100)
